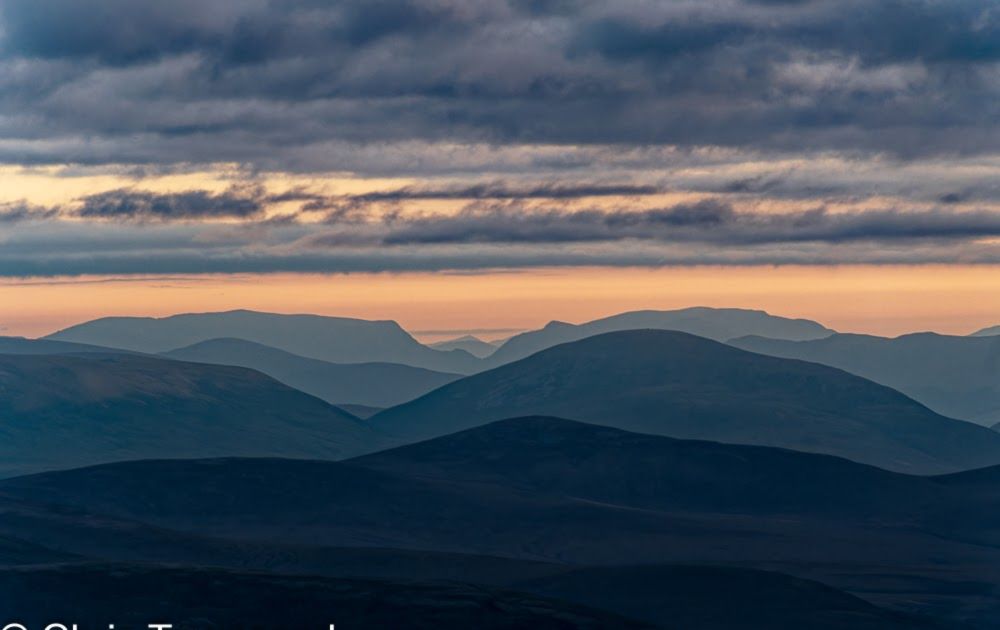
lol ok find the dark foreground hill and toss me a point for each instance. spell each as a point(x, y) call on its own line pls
point(196, 599)
point(65, 411)
point(369, 384)
point(720, 598)
point(694, 598)
point(720, 324)
point(547, 490)
point(333, 339)
point(670, 383)
point(956, 376)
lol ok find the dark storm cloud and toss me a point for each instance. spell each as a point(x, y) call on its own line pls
point(268, 83)
point(135, 205)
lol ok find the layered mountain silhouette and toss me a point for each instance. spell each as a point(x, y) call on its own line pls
point(62, 411)
point(987, 332)
point(956, 376)
point(720, 324)
point(567, 493)
point(672, 383)
point(473, 345)
point(21, 345)
point(368, 384)
point(333, 339)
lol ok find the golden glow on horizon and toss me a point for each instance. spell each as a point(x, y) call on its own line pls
point(877, 300)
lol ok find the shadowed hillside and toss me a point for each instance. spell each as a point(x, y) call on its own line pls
point(670, 383)
point(369, 384)
point(211, 598)
point(66, 411)
point(956, 376)
point(547, 489)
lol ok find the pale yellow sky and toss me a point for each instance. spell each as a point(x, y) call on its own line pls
point(879, 300)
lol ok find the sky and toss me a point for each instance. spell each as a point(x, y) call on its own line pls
point(490, 165)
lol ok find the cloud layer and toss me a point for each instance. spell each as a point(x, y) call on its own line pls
point(502, 133)
point(271, 83)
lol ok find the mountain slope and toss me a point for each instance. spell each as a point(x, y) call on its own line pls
point(987, 332)
point(333, 339)
point(66, 411)
point(671, 383)
point(608, 465)
point(436, 489)
point(956, 376)
point(369, 384)
point(712, 323)
point(473, 345)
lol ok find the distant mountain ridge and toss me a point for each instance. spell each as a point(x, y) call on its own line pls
point(676, 384)
point(332, 339)
point(346, 340)
point(22, 345)
point(719, 324)
point(367, 384)
point(62, 411)
point(987, 332)
point(956, 376)
point(473, 345)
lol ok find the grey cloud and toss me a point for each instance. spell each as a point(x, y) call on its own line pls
point(19, 211)
point(709, 232)
point(469, 260)
point(500, 190)
point(136, 205)
point(272, 83)
point(709, 221)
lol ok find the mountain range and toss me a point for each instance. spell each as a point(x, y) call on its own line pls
point(720, 324)
point(343, 340)
point(61, 411)
point(676, 384)
point(333, 339)
point(956, 376)
point(703, 468)
point(366, 384)
point(987, 332)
